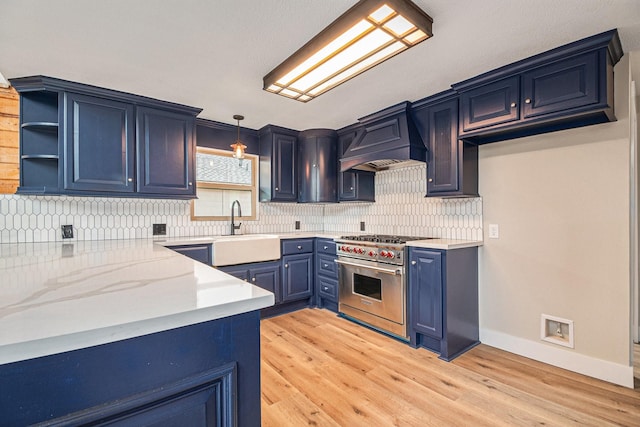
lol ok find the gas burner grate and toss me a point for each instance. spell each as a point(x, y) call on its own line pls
point(383, 238)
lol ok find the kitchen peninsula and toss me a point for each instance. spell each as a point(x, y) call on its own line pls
point(125, 329)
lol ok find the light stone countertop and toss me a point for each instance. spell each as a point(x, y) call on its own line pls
point(446, 244)
point(56, 297)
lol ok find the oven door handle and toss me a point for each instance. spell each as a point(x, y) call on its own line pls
point(392, 271)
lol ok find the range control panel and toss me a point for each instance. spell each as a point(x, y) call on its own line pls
point(389, 254)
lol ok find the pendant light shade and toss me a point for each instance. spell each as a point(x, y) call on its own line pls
point(238, 147)
point(369, 33)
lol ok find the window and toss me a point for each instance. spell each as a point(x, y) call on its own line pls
point(221, 179)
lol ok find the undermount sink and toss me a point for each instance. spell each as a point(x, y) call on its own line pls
point(245, 248)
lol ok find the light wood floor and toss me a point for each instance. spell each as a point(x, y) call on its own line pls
point(321, 370)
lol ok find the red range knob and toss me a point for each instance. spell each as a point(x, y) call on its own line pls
point(390, 255)
point(383, 253)
point(349, 249)
point(343, 248)
point(360, 251)
point(371, 253)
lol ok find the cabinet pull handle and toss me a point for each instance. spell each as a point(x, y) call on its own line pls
point(253, 280)
point(430, 179)
point(190, 184)
point(350, 188)
point(325, 288)
point(527, 101)
point(325, 265)
point(277, 189)
point(513, 104)
point(286, 266)
point(413, 262)
point(325, 247)
point(130, 179)
point(299, 247)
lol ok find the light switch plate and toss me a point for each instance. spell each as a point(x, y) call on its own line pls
point(494, 231)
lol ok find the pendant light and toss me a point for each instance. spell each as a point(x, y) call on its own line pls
point(238, 147)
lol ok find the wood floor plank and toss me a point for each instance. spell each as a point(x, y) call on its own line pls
point(559, 389)
point(319, 369)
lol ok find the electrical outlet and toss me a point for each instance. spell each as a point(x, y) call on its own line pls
point(361, 225)
point(297, 225)
point(159, 229)
point(67, 231)
point(494, 231)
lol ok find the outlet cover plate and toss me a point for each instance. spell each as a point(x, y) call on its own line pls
point(159, 229)
point(67, 231)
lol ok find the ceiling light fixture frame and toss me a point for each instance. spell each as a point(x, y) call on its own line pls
point(301, 85)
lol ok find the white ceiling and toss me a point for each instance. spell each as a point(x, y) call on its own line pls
point(213, 53)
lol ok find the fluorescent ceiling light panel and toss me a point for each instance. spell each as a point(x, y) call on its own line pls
point(369, 33)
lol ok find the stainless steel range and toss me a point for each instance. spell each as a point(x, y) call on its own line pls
point(372, 281)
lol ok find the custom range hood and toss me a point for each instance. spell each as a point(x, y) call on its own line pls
point(386, 138)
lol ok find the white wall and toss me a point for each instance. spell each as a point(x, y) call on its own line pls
point(562, 203)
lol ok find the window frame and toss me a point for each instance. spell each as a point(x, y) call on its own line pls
point(254, 159)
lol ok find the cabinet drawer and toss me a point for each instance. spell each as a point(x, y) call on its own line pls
point(297, 246)
point(328, 288)
point(325, 246)
point(327, 266)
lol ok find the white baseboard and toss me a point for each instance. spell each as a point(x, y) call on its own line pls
point(566, 359)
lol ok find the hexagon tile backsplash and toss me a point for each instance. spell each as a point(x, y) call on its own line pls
point(400, 208)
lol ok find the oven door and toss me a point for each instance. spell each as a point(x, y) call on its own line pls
point(372, 288)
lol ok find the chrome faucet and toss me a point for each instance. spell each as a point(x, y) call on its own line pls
point(235, 227)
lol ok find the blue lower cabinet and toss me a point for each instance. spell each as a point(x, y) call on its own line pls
point(207, 374)
point(326, 274)
point(297, 277)
point(443, 300)
point(200, 253)
point(262, 274)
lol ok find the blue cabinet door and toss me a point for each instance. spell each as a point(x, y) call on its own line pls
point(98, 144)
point(357, 186)
point(239, 271)
point(267, 277)
point(317, 166)
point(444, 163)
point(284, 160)
point(561, 86)
point(297, 277)
point(425, 291)
point(165, 152)
point(490, 105)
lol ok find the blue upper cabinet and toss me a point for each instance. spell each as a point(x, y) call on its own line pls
point(490, 105)
point(99, 144)
point(566, 87)
point(165, 152)
point(452, 164)
point(84, 140)
point(354, 185)
point(318, 166)
point(278, 164)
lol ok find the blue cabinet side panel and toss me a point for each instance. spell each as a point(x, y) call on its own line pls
point(54, 386)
